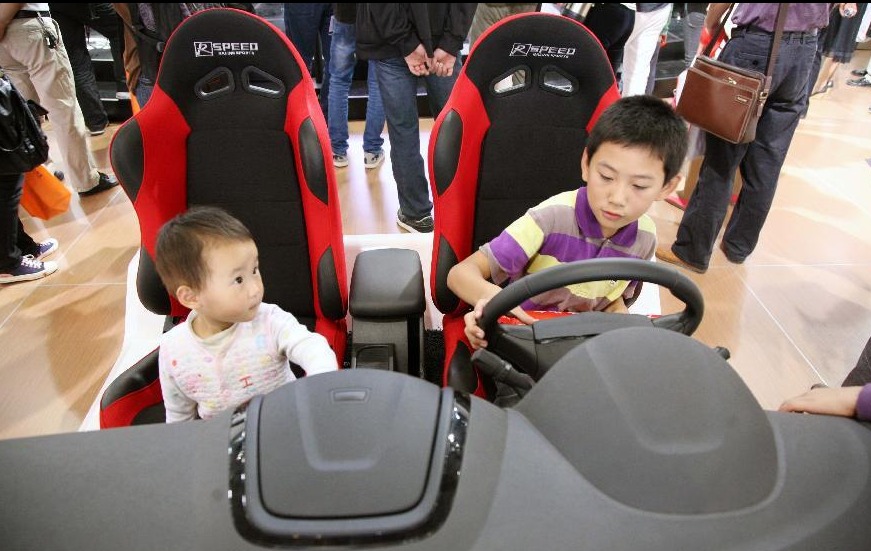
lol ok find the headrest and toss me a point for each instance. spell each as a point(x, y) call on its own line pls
point(215, 51)
point(558, 52)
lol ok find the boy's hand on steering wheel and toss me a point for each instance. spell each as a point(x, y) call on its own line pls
point(475, 334)
point(618, 307)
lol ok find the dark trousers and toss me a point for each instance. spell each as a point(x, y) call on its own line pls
point(107, 23)
point(611, 24)
point(14, 241)
point(861, 374)
point(304, 25)
point(760, 161)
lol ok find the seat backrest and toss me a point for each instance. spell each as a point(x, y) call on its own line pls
point(510, 136)
point(234, 121)
point(512, 132)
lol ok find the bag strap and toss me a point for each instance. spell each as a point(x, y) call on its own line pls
point(709, 48)
point(775, 45)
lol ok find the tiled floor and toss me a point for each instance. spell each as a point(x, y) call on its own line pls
point(797, 312)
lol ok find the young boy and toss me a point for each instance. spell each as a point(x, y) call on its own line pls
point(232, 346)
point(632, 158)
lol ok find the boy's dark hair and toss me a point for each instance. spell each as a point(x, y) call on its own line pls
point(643, 121)
point(181, 241)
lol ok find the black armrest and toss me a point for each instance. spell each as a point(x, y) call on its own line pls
point(387, 283)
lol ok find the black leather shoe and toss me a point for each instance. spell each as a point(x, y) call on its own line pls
point(858, 72)
point(859, 82)
point(729, 257)
point(105, 182)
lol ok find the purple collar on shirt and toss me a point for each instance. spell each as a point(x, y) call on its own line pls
point(625, 236)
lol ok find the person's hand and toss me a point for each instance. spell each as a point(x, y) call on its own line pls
point(663, 40)
point(827, 401)
point(443, 63)
point(417, 62)
point(617, 307)
point(848, 9)
point(475, 334)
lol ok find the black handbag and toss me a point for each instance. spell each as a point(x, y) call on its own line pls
point(23, 145)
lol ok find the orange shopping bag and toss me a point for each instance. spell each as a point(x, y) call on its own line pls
point(44, 196)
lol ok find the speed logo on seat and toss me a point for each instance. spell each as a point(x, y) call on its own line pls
point(537, 50)
point(211, 49)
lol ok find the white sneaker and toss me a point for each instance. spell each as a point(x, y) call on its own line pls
point(27, 270)
point(340, 161)
point(372, 160)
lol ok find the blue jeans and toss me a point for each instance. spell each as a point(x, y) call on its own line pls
point(399, 95)
point(343, 60)
point(304, 23)
point(693, 24)
point(143, 92)
point(759, 161)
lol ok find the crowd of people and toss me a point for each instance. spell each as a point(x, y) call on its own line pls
point(43, 53)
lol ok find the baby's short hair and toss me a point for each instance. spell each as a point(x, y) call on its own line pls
point(181, 241)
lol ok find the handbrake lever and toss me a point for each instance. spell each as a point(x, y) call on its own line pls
point(492, 365)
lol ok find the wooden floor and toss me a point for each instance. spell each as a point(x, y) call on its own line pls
point(797, 312)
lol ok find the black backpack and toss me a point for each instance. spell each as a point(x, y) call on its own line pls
point(23, 145)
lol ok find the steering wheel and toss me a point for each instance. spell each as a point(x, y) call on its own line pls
point(533, 349)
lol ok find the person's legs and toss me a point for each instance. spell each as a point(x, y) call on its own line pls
point(861, 373)
point(814, 72)
point(10, 197)
point(863, 76)
point(693, 24)
point(399, 95)
point(18, 252)
point(611, 24)
point(372, 139)
point(639, 50)
point(651, 77)
point(301, 27)
point(26, 244)
point(438, 89)
point(27, 60)
point(708, 203)
point(87, 92)
point(760, 168)
point(326, 14)
point(824, 80)
point(342, 62)
point(144, 88)
point(108, 23)
point(305, 24)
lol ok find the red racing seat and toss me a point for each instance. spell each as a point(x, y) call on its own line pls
point(234, 121)
point(510, 136)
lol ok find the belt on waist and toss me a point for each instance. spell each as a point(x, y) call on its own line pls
point(737, 31)
point(30, 14)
